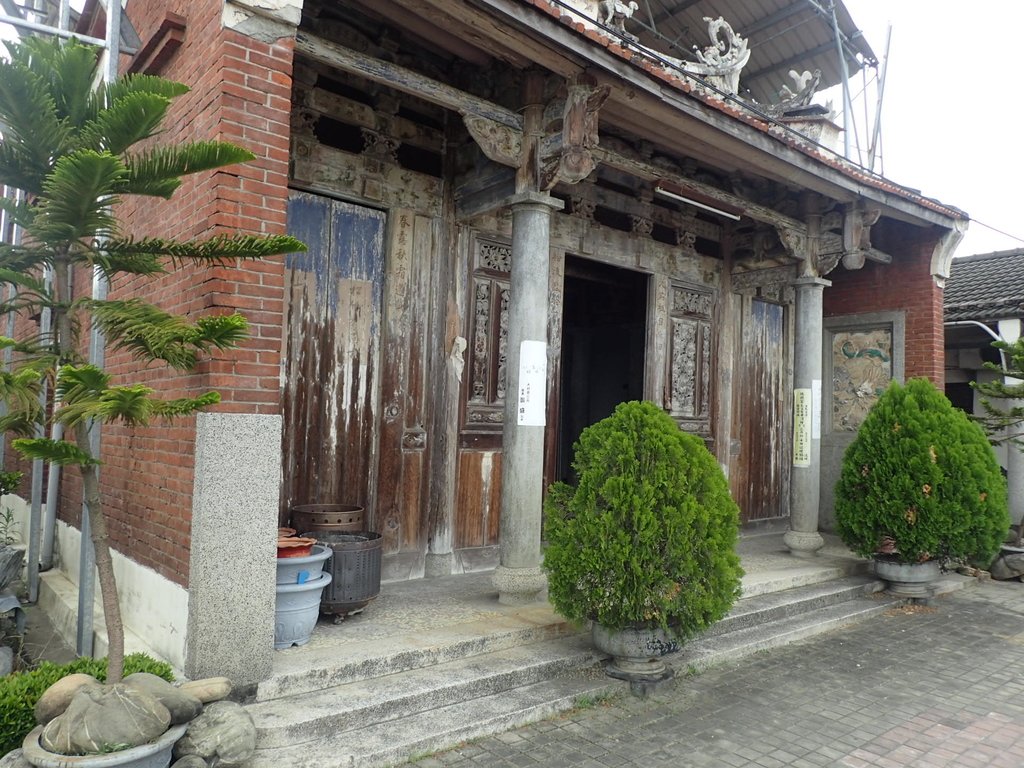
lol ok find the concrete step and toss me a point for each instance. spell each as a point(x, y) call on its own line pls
point(800, 573)
point(386, 701)
point(707, 651)
point(321, 715)
point(771, 606)
point(396, 741)
point(299, 671)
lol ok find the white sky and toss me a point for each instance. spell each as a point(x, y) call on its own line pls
point(952, 112)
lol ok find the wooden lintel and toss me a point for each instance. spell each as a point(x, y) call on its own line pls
point(485, 200)
point(403, 79)
point(651, 172)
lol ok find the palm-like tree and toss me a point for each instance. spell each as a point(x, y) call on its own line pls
point(71, 148)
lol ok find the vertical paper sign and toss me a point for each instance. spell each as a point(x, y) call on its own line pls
point(801, 427)
point(533, 375)
point(816, 409)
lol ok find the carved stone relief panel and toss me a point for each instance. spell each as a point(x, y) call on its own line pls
point(861, 370)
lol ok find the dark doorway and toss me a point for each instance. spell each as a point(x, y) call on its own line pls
point(604, 325)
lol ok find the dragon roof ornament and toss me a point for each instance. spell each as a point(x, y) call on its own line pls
point(721, 62)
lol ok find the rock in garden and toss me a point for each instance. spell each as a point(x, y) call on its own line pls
point(57, 697)
point(224, 734)
point(1009, 566)
point(191, 761)
point(6, 660)
point(14, 759)
point(182, 705)
point(208, 689)
point(10, 565)
point(106, 718)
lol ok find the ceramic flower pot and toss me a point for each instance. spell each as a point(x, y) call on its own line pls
point(156, 754)
point(294, 546)
point(636, 652)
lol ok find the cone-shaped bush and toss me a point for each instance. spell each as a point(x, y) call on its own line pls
point(921, 481)
point(648, 535)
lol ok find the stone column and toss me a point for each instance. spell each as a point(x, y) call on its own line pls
point(803, 538)
point(519, 578)
point(232, 563)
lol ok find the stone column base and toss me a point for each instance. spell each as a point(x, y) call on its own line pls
point(437, 565)
point(803, 543)
point(520, 586)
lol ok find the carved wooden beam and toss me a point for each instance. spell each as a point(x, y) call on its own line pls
point(403, 79)
point(413, 83)
point(646, 170)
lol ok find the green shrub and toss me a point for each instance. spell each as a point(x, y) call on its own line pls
point(921, 481)
point(648, 535)
point(20, 691)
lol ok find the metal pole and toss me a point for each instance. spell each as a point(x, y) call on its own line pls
point(32, 26)
point(844, 70)
point(873, 146)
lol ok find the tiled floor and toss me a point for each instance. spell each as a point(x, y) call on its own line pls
point(919, 687)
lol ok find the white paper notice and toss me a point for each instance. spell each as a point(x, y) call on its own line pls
point(816, 409)
point(801, 428)
point(533, 376)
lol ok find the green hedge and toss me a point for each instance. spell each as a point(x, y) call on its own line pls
point(920, 478)
point(648, 534)
point(20, 691)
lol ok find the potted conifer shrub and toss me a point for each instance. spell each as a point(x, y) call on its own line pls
point(644, 544)
point(920, 484)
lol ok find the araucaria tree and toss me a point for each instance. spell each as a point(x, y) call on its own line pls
point(73, 151)
point(1001, 399)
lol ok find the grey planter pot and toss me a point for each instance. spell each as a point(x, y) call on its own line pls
point(296, 611)
point(299, 570)
point(913, 580)
point(156, 754)
point(636, 652)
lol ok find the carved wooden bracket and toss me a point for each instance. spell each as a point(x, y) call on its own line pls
point(565, 152)
point(498, 142)
point(800, 245)
point(857, 223)
point(571, 161)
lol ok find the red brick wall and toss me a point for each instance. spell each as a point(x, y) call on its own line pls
point(241, 92)
point(905, 284)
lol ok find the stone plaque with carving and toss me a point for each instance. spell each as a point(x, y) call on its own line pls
point(861, 370)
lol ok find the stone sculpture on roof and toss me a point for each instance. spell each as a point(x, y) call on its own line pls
point(721, 62)
point(613, 13)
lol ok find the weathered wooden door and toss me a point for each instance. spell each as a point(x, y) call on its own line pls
point(760, 469)
point(332, 352)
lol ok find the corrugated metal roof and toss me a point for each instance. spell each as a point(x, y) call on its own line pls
point(985, 287)
point(781, 35)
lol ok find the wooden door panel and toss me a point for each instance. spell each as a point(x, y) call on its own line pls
point(331, 357)
point(761, 483)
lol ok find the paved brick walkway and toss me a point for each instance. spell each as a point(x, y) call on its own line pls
point(916, 687)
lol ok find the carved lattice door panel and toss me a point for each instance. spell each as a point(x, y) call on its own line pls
point(488, 339)
point(689, 357)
